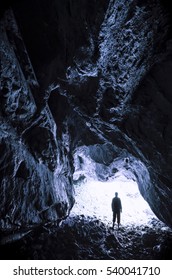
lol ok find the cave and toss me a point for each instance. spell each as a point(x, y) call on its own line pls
point(85, 102)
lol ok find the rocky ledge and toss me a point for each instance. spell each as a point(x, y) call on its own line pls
point(86, 238)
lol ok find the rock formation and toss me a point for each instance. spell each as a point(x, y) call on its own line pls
point(90, 76)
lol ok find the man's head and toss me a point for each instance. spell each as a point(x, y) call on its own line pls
point(116, 194)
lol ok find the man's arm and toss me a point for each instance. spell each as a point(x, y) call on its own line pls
point(120, 206)
point(112, 204)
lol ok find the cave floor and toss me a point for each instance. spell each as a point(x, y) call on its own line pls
point(87, 238)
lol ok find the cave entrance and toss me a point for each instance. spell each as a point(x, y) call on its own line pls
point(98, 175)
point(93, 199)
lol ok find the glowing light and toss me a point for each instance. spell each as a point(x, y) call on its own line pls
point(94, 199)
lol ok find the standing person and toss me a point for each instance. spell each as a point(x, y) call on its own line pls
point(116, 209)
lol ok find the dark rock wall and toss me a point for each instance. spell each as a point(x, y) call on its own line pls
point(150, 125)
point(34, 189)
point(103, 70)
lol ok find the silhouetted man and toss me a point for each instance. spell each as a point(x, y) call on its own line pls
point(116, 209)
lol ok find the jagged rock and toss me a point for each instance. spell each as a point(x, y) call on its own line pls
point(30, 155)
point(102, 92)
point(86, 238)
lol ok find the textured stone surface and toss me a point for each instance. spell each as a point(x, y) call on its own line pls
point(87, 238)
point(104, 87)
point(33, 188)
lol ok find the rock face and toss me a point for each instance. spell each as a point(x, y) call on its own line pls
point(103, 83)
point(34, 188)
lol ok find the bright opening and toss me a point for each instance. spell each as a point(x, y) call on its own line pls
point(93, 198)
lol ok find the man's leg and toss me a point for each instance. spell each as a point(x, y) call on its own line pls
point(118, 218)
point(114, 219)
